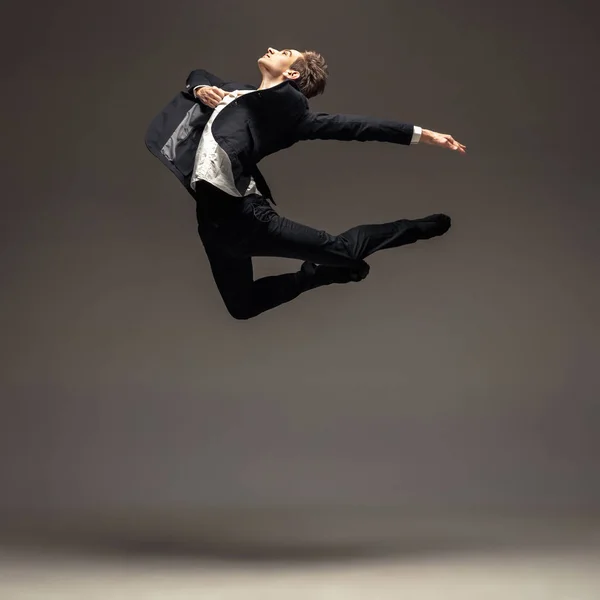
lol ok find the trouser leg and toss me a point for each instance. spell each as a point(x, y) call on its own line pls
point(233, 231)
point(245, 297)
point(286, 238)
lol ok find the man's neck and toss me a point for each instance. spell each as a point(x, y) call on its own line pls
point(267, 82)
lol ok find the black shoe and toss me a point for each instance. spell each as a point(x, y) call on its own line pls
point(326, 274)
point(433, 225)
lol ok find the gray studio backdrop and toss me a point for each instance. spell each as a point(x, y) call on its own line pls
point(462, 374)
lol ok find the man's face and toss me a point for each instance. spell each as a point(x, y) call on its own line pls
point(278, 62)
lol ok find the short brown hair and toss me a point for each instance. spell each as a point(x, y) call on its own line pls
point(313, 73)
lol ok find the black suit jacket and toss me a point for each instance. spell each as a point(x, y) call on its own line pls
point(254, 126)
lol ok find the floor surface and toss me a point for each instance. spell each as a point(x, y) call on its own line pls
point(514, 559)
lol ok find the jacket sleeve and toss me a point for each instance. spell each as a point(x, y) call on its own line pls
point(323, 126)
point(200, 77)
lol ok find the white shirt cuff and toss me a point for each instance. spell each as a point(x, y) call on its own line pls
point(416, 134)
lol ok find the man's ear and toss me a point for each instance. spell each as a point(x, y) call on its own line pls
point(289, 74)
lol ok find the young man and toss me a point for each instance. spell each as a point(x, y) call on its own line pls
point(212, 136)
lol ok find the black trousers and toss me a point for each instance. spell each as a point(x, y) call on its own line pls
point(233, 230)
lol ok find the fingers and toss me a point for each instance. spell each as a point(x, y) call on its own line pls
point(212, 99)
point(454, 145)
point(211, 96)
point(220, 93)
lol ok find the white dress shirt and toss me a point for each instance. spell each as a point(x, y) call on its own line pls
point(212, 163)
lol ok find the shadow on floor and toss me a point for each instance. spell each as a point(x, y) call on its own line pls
point(271, 538)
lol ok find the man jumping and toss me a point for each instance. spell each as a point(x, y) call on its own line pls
point(213, 134)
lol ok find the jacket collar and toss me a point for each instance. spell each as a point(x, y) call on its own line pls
point(283, 83)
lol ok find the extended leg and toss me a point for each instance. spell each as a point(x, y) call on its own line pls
point(364, 240)
point(283, 237)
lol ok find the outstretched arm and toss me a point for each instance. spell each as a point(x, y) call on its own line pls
point(359, 128)
point(323, 126)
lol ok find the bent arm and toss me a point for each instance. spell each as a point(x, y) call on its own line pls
point(359, 128)
point(199, 78)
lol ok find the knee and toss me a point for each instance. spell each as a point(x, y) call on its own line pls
point(240, 311)
point(349, 250)
point(240, 314)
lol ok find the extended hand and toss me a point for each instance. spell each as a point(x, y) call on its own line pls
point(210, 95)
point(443, 140)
